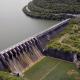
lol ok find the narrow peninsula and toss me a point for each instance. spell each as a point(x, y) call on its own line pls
point(52, 9)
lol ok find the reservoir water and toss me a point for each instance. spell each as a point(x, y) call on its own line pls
point(15, 26)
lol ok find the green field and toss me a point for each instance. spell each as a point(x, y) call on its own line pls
point(52, 69)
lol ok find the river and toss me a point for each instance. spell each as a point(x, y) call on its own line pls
point(15, 26)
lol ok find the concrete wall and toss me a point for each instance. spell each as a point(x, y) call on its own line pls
point(59, 54)
point(45, 37)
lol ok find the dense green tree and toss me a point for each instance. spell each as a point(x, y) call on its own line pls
point(49, 8)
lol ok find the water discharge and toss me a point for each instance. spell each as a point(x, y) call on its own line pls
point(22, 57)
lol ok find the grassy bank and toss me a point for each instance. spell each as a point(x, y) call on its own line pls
point(52, 69)
point(8, 76)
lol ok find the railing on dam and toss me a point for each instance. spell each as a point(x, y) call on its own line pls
point(28, 51)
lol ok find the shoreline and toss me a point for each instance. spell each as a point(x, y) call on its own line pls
point(62, 16)
point(38, 12)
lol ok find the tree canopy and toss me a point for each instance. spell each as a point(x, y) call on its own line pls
point(52, 9)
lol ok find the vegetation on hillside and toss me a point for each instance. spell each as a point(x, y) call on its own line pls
point(8, 76)
point(52, 9)
point(69, 39)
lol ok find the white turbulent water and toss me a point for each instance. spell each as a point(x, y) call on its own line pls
point(15, 26)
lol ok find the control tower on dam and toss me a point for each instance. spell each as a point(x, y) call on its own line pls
point(26, 53)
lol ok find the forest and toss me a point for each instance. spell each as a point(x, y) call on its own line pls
point(52, 9)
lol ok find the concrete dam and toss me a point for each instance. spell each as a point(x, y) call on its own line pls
point(23, 55)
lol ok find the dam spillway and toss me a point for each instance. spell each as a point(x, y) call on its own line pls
point(21, 56)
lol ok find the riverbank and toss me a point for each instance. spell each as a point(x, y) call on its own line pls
point(37, 15)
point(46, 10)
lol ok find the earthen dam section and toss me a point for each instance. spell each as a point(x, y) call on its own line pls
point(23, 55)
